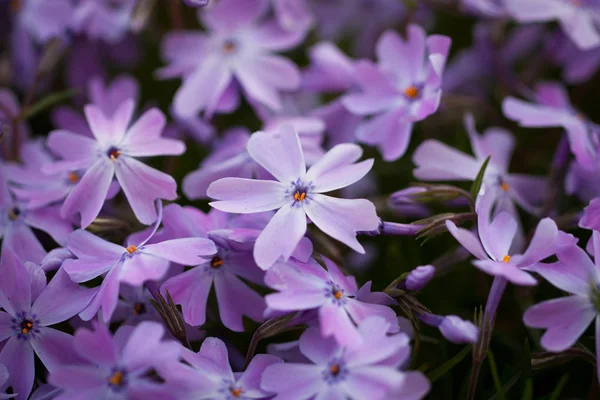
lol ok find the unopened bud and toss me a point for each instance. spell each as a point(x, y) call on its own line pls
point(419, 277)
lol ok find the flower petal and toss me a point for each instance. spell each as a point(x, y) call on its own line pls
point(15, 285)
point(246, 196)
point(280, 155)
point(190, 290)
point(17, 356)
point(55, 348)
point(186, 251)
point(236, 299)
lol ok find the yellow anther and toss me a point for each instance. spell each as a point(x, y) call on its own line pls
point(216, 262)
point(504, 186)
point(506, 259)
point(229, 46)
point(131, 249)
point(411, 92)
point(26, 326)
point(335, 369)
point(116, 379)
point(299, 196)
point(73, 177)
point(114, 154)
point(338, 294)
point(236, 392)
point(139, 308)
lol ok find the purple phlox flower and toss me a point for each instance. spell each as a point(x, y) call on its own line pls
point(4, 375)
point(340, 124)
point(330, 70)
point(419, 277)
point(361, 20)
point(591, 216)
point(232, 261)
point(45, 20)
point(54, 259)
point(437, 161)
point(553, 108)
point(132, 265)
point(17, 218)
point(365, 295)
point(486, 8)
point(30, 307)
point(208, 374)
point(567, 318)
point(106, 20)
point(404, 87)
point(308, 286)
point(452, 327)
point(470, 70)
point(114, 152)
point(117, 367)
point(577, 18)
point(45, 391)
point(237, 52)
point(9, 110)
point(293, 15)
point(37, 189)
point(368, 371)
point(495, 238)
point(298, 194)
point(578, 66)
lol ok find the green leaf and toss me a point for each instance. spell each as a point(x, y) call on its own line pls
point(448, 365)
point(527, 372)
point(559, 387)
point(49, 101)
point(495, 377)
point(479, 179)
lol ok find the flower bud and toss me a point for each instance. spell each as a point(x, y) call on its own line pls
point(457, 330)
point(419, 277)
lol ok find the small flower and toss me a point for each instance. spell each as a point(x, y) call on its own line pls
point(118, 367)
point(114, 152)
point(238, 51)
point(566, 319)
point(208, 375)
point(223, 271)
point(298, 194)
point(495, 239)
point(31, 307)
point(369, 371)
point(307, 286)
point(132, 265)
point(578, 18)
point(402, 89)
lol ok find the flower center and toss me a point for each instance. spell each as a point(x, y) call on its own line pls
point(504, 186)
point(299, 196)
point(236, 392)
point(506, 259)
point(113, 153)
point(229, 46)
point(412, 92)
point(117, 379)
point(131, 249)
point(337, 294)
point(14, 213)
point(26, 326)
point(73, 177)
point(139, 309)
point(335, 369)
point(216, 262)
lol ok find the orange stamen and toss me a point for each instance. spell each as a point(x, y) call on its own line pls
point(335, 369)
point(506, 259)
point(113, 155)
point(236, 392)
point(299, 196)
point(338, 294)
point(27, 327)
point(216, 262)
point(131, 249)
point(116, 379)
point(411, 92)
point(73, 177)
point(504, 186)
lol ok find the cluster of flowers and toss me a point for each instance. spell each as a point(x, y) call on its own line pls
point(113, 319)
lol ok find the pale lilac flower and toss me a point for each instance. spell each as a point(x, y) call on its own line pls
point(403, 88)
point(232, 261)
point(437, 161)
point(118, 367)
point(114, 152)
point(591, 216)
point(369, 371)
point(553, 108)
point(577, 18)
point(578, 66)
point(293, 15)
point(298, 194)
point(17, 218)
point(331, 70)
point(30, 306)
point(495, 238)
point(308, 286)
point(44, 19)
point(132, 265)
point(208, 374)
point(567, 318)
point(237, 52)
point(106, 20)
